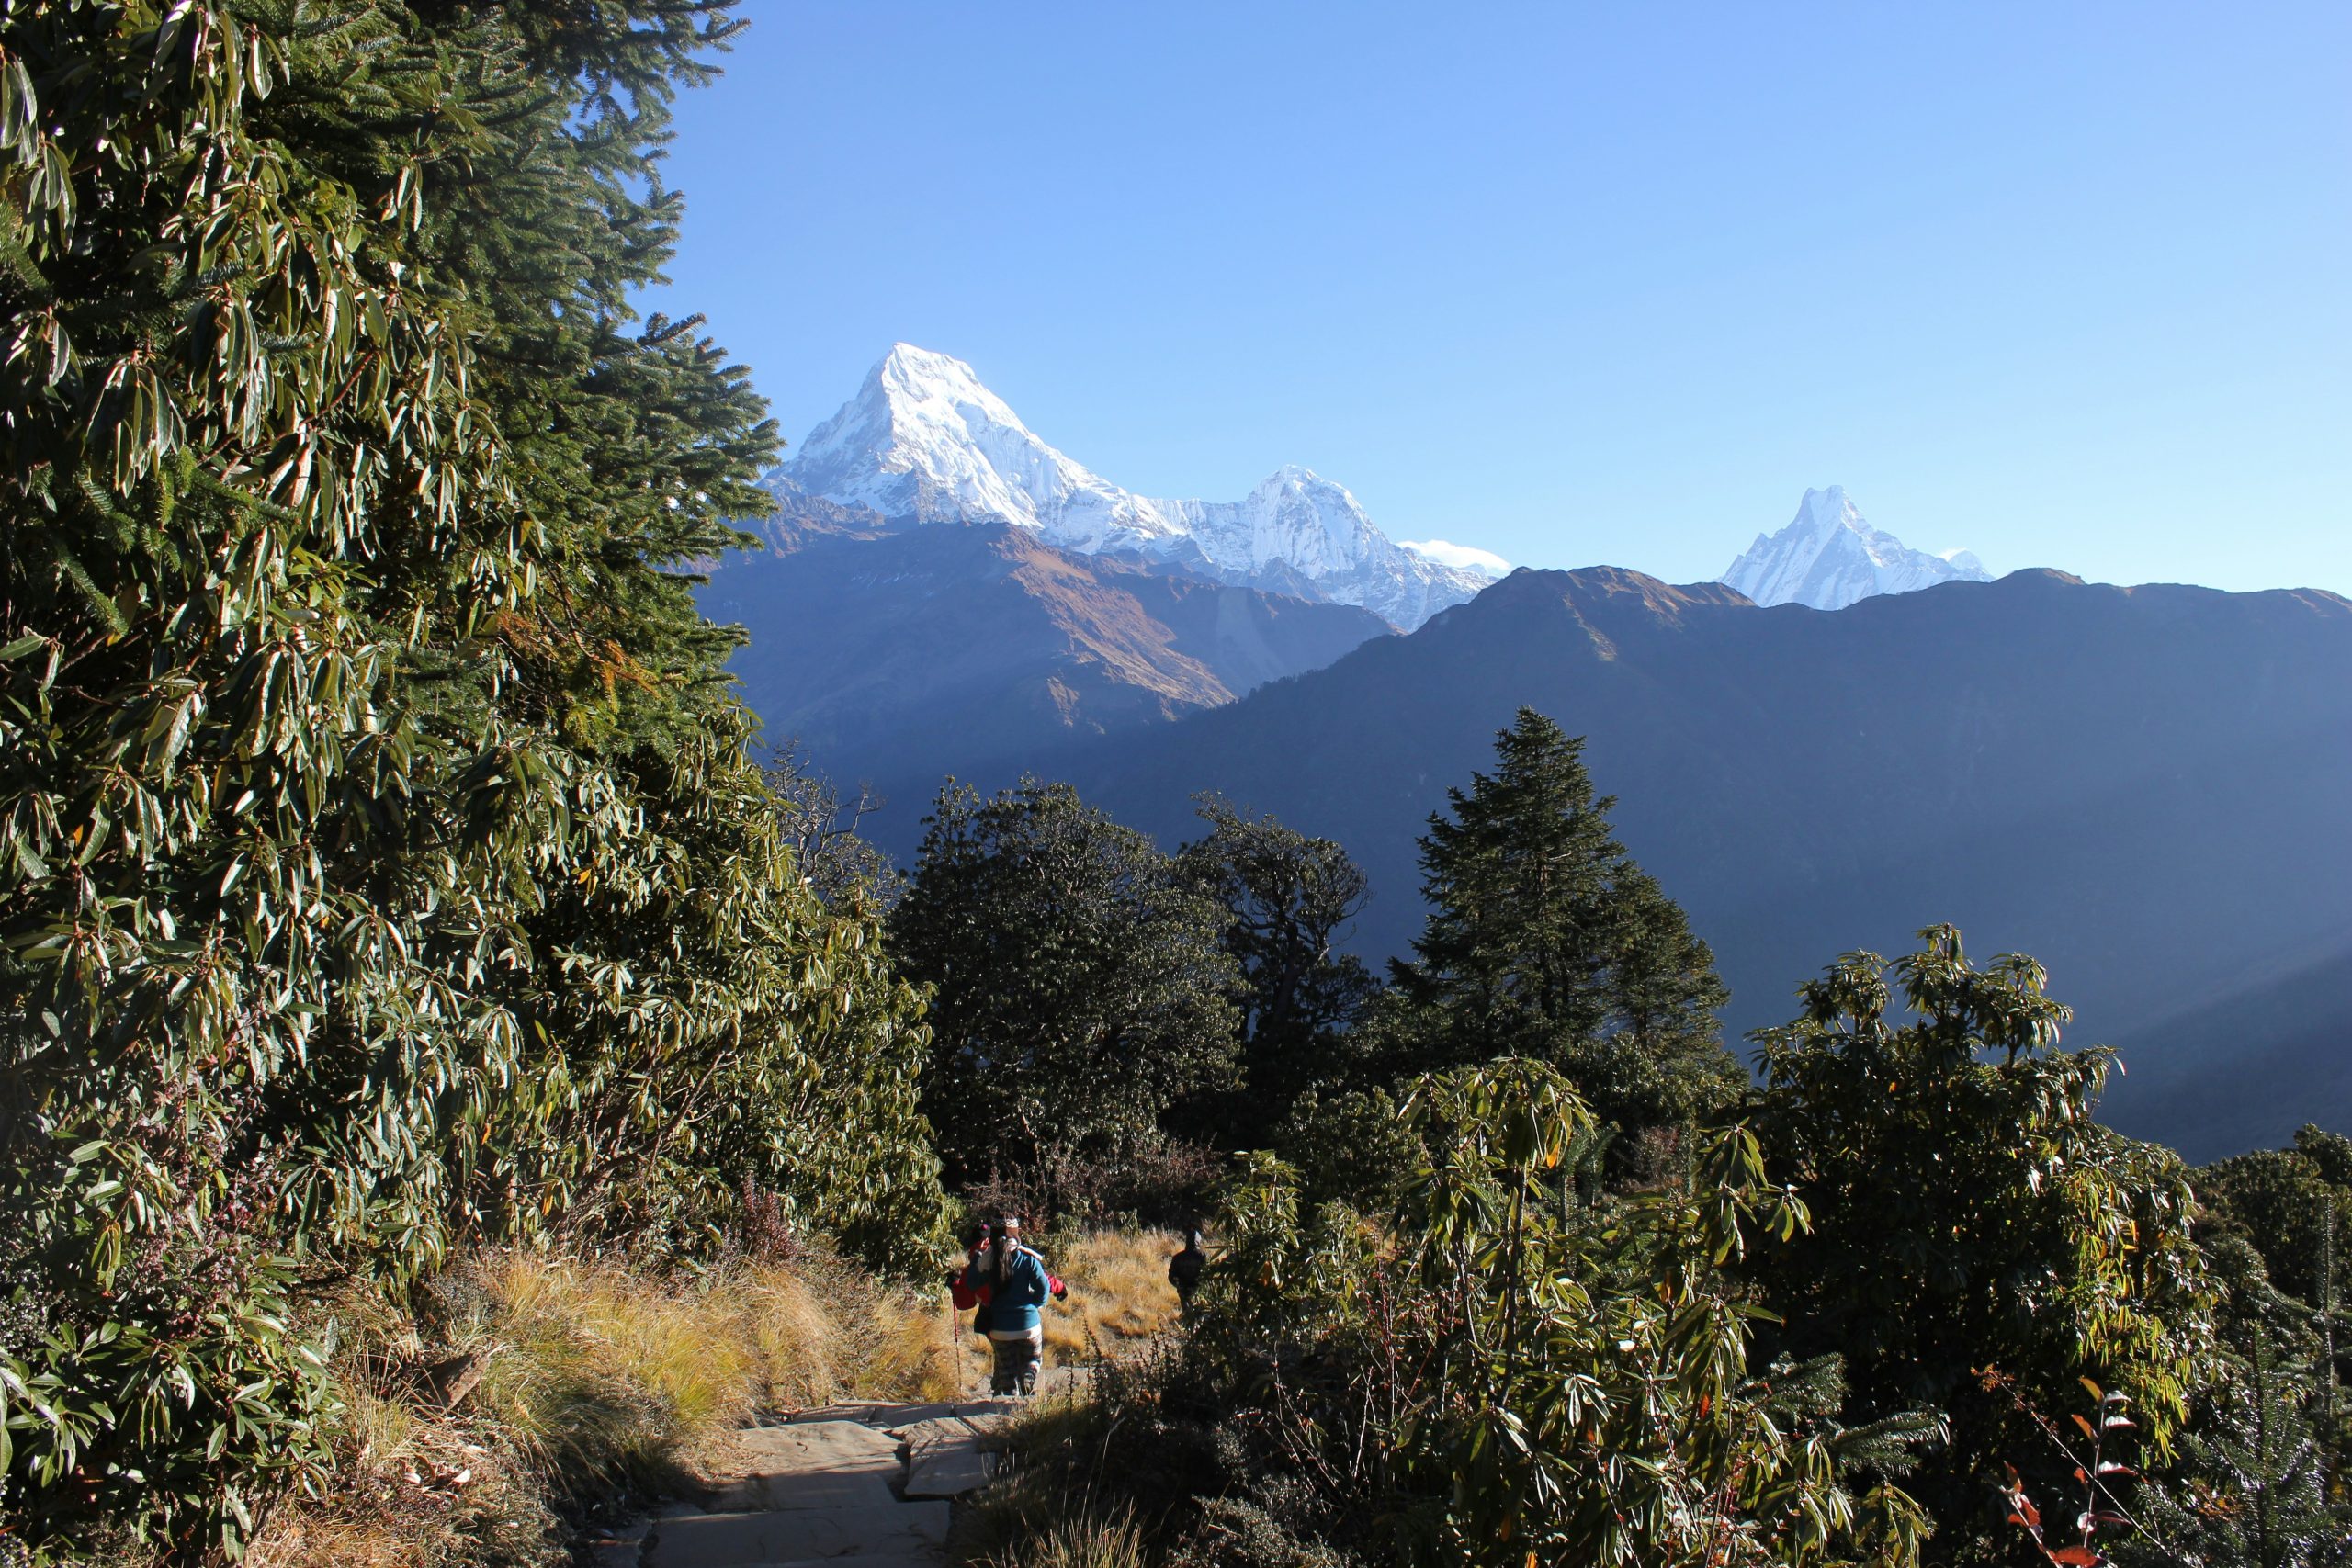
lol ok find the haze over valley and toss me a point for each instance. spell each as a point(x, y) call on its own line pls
point(1844, 740)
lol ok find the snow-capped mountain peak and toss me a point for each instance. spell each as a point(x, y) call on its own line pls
point(1829, 556)
point(1461, 557)
point(924, 440)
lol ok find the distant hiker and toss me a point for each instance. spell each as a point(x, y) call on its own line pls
point(1184, 1269)
point(1013, 1282)
point(960, 1289)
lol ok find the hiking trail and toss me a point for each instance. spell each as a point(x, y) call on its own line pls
point(862, 1485)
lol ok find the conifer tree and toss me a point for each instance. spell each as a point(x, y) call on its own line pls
point(1545, 940)
point(2252, 1489)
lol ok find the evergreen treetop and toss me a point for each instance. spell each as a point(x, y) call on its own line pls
point(1545, 940)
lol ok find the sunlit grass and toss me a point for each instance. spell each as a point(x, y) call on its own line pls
point(597, 1384)
point(1118, 1292)
point(914, 1354)
point(601, 1380)
point(1080, 1541)
point(1119, 1298)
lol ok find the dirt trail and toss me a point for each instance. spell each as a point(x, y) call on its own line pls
point(860, 1485)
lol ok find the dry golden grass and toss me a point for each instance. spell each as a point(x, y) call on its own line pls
point(1119, 1299)
point(1080, 1541)
point(601, 1380)
point(599, 1383)
point(914, 1356)
point(596, 1383)
point(1119, 1293)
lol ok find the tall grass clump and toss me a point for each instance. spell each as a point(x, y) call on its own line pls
point(1081, 1541)
point(1119, 1293)
point(532, 1393)
point(1093, 1476)
point(602, 1380)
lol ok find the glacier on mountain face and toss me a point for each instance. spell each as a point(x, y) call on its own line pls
point(1828, 557)
point(923, 440)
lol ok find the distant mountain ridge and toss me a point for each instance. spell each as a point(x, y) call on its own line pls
point(895, 655)
point(924, 442)
point(2142, 788)
point(1828, 557)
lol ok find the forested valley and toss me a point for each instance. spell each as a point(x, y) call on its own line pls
point(407, 939)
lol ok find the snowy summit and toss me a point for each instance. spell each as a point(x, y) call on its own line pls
point(1829, 557)
point(923, 441)
point(1464, 558)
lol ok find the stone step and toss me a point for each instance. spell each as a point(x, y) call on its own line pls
point(953, 1455)
point(948, 1466)
point(898, 1531)
point(988, 1427)
point(812, 1464)
point(827, 1440)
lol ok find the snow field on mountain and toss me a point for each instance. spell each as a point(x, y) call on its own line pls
point(923, 440)
point(1829, 556)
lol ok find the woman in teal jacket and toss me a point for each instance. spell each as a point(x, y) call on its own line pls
point(1013, 1281)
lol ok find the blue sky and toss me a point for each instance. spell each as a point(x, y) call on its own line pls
point(2068, 285)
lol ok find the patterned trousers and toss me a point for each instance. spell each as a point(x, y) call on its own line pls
point(1018, 1352)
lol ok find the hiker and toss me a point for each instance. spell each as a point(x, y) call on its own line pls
point(1184, 1267)
point(1012, 1282)
point(960, 1291)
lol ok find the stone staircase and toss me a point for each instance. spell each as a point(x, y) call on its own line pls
point(864, 1486)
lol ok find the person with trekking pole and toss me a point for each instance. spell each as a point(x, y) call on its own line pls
point(1013, 1284)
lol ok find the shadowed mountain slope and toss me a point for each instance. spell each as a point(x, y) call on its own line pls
point(896, 655)
point(2143, 787)
point(2244, 1071)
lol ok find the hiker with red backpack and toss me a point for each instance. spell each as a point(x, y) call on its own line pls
point(1009, 1283)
